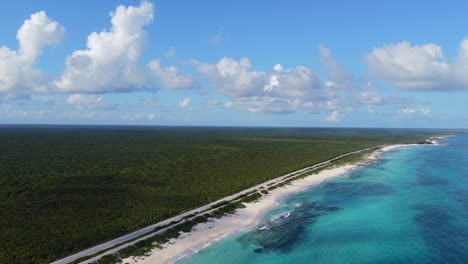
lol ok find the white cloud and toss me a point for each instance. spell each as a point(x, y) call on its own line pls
point(337, 73)
point(17, 74)
point(410, 113)
point(335, 116)
point(298, 82)
point(87, 101)
point(425, 111)
point(139, 117)
point(279, 91)
point(338, 115)
point(171, 77)
point(37, 32)
point(110, 62)
point(266, 104)
point(232, 77)
point(9, 112)
point(371, 97)
point(152, 116)
point(84, 116)
point(185, 103)
point(461, 64)
point(419, 67)
point(213, 102)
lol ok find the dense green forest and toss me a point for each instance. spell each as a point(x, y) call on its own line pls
point(66, 188)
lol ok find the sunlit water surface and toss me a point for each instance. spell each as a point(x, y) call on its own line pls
point(409, 207)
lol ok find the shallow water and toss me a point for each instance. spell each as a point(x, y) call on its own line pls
point(411, 206)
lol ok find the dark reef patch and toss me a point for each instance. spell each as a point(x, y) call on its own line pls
point(282, 233)
point(427, 179)
point(355, 175)
point(350, 190)
point(446, 241)
point(462, 197)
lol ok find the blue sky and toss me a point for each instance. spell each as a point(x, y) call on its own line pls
point(269, 63)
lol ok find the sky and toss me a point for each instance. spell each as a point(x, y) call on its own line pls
point(235, 63)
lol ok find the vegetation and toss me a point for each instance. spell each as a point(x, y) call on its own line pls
point(66, 188)
point(145, 247)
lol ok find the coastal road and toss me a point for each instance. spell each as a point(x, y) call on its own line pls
point(207, 207)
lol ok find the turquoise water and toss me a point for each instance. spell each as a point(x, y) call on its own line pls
point(411, 206)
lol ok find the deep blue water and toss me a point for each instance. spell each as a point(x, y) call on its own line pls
point(411, 206)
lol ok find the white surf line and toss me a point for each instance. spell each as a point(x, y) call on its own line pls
point(179, 218)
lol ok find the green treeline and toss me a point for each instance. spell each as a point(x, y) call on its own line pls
point(63, 189)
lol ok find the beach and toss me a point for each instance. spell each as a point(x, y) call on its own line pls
point(205, 234)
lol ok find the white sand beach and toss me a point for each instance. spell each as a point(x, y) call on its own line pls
point(391, 147)
point(206, 233)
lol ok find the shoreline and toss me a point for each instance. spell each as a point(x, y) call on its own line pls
point(205, 234)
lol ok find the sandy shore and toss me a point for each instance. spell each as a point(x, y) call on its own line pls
point(391, 147)
point(206, 233)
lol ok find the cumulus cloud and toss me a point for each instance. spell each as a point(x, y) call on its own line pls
point(233, 78)
point(8, 111)
point(17, 74)
point(371, 97)
point(267, 104)
point(298, 82)
point(110, 61)
point(152, 116)
point(171, 77)
point(425, 111)
point(335, 116)
point(410, 113)
point(460, 67)
point(419, 67)
point(83, 116)
point(139, 117)
point(37, 32)
point(338, 115)
point(87, 101)
point(185, 103)
point(337, 73)
point(279, 91)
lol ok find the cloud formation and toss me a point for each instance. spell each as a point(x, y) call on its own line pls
point(337, 73)
point(419, 67)
point(371, 98)
point(233, 78)
point(110, 61)
point(185, 103)
point(17, 72)
point(279, 91)
point(410, 113)
point(171, 77)
point(297, 82)
point(337, 115)
point(89, 101)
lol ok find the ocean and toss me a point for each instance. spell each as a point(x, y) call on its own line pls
point(410, 206)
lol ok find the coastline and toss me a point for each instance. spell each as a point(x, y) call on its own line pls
point(205, 234)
